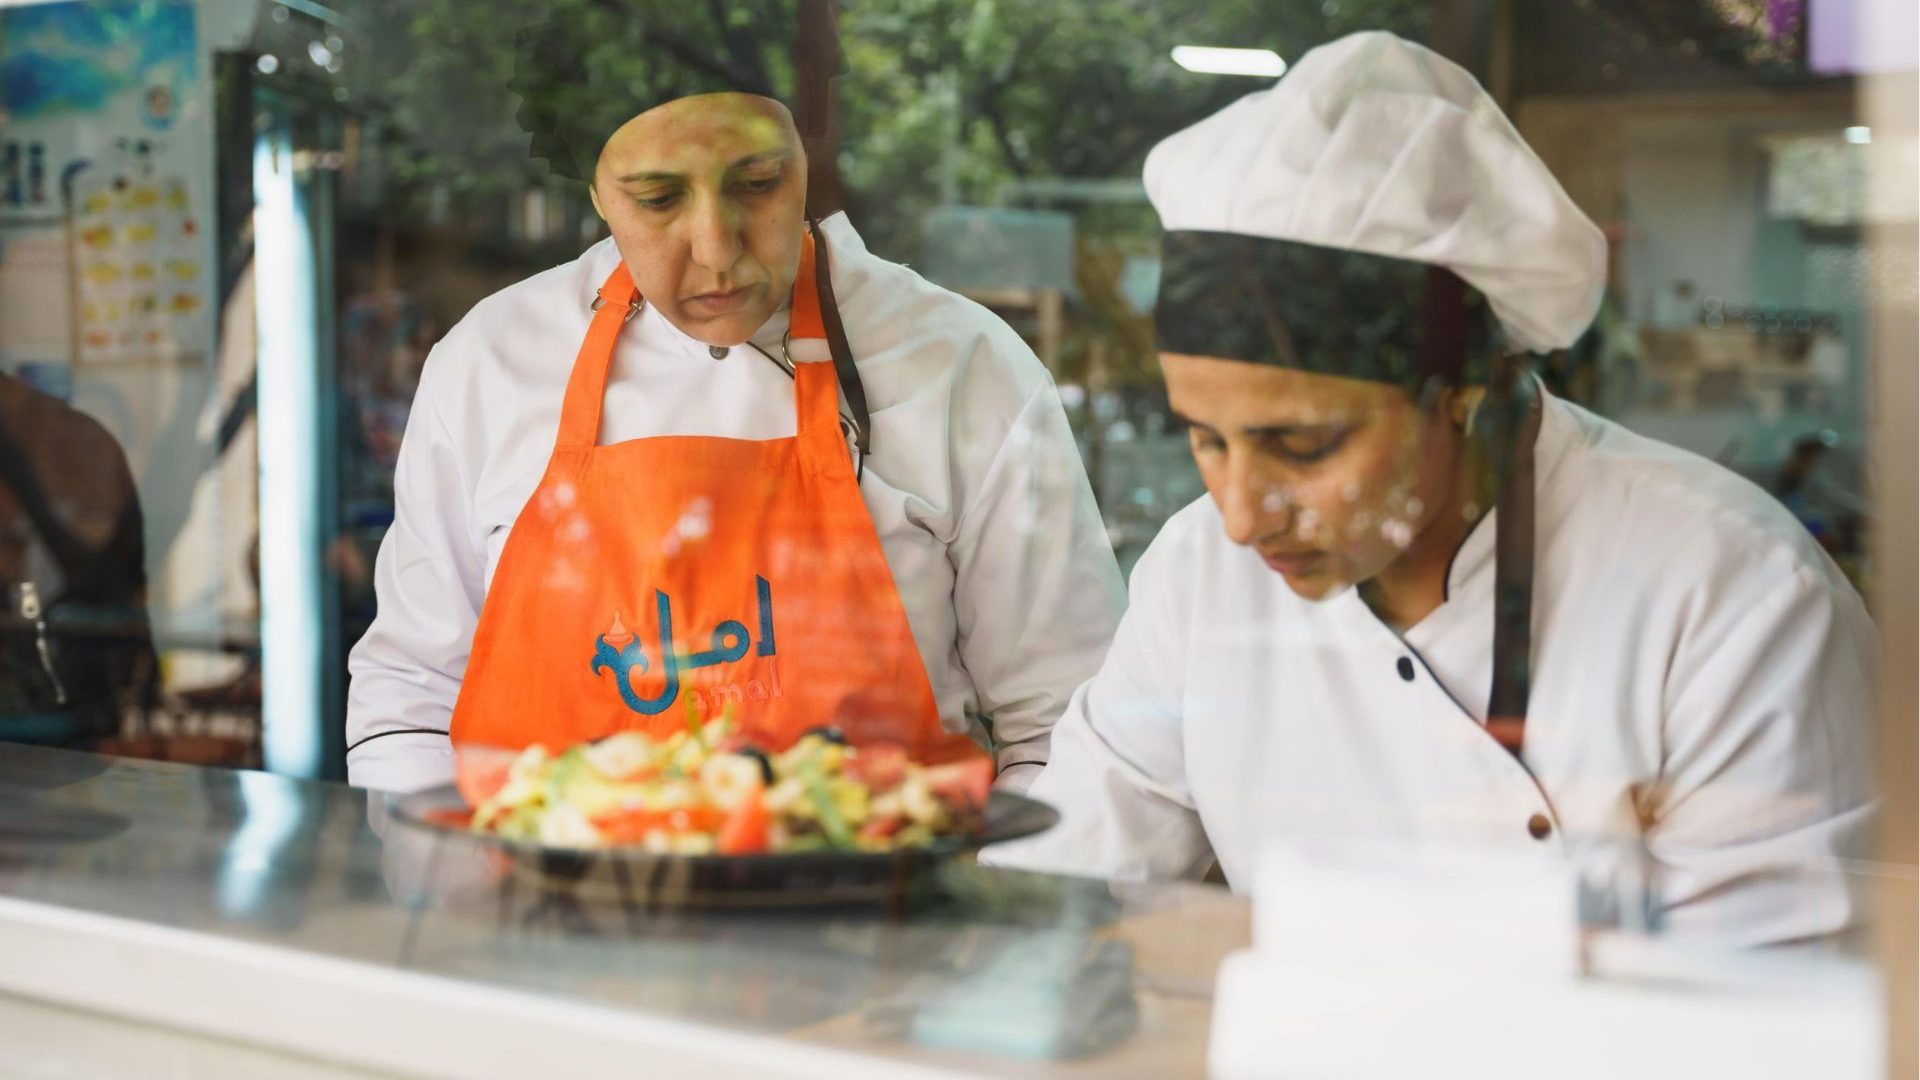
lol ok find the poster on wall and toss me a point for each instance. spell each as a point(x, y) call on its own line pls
point(106, 172)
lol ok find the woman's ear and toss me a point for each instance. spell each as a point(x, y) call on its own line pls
point(1465, 406)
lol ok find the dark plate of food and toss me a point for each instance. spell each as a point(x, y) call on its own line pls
point(706, 819)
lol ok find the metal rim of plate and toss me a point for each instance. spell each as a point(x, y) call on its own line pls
point(632, 877)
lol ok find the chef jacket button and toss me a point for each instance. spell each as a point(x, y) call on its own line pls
point(1539, 827)
point(1406, 668)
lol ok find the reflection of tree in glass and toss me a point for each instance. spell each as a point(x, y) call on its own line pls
point(1736, 31)
point(983, 92)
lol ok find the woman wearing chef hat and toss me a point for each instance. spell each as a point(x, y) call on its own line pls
point(725, 461)
point(1414, 608)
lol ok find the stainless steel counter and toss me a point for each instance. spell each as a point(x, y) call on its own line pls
point(292, 918)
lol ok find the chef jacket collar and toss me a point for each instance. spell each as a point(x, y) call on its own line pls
point(771, 335)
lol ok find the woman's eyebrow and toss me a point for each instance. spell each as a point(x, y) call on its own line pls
point(1294, 429)
point(1265, 430)
point(740, 163)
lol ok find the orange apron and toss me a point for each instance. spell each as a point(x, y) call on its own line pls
point(678, 575)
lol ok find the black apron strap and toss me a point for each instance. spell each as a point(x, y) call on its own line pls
point(849, 376)
point(1515, 403)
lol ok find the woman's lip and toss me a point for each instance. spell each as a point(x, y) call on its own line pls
point(1291, 566)
point(720, 303)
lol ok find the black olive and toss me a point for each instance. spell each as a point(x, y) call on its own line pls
point(830, 733)
point(759, 755)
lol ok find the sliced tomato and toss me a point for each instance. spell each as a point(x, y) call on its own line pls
point(632, 826)
point(480, 771)
point(964, 784)
point(452, 819)
point(627, 826)
point(744, 832)
point(882, 827)
point(695, 819)
point(880, 766)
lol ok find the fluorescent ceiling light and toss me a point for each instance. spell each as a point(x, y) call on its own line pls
point(1208, 60)
point(1859, 136)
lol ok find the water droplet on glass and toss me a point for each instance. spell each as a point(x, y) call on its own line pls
point(1397, 532)
point(697, 521)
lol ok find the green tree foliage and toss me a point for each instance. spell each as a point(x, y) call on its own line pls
point(941, 97)
point(942, 101)
point(1025, 89)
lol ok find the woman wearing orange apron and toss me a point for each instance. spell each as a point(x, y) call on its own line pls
point(727, 460)
point(660, 577)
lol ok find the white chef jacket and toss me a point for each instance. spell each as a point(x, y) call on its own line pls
point(974, 484)
point(1700, 692)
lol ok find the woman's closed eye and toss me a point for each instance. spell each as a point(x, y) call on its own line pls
point(1204, 440)
point(1304, 446)
point(658, 198)
point(758, 183)
point(1299, 446)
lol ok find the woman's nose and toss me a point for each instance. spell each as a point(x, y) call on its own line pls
point(715, 235)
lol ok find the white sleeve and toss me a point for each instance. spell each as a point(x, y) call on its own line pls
point(429, 581)
point(1036, 592)
point(1118, 773)
point(1766, 790)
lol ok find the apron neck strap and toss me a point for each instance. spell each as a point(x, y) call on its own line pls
point(816, 314)
point(1516, 405)
point(812, 314)
point(619, 301)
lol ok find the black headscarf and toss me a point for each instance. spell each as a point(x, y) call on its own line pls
point(592, 65)
point(1321, 309)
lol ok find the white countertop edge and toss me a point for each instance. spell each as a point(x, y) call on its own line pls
point(373, 1017)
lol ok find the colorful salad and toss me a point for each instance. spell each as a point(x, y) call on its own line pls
point(707, 790)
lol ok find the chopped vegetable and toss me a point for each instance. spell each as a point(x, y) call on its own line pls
point(744, 832)
point(880, 828)
point(962, 783)
point(880, 766)
point(481, 771)
point(626, 756)
point(831, 823)
point(730, 778)
point(707, 789)
point(632, 826)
